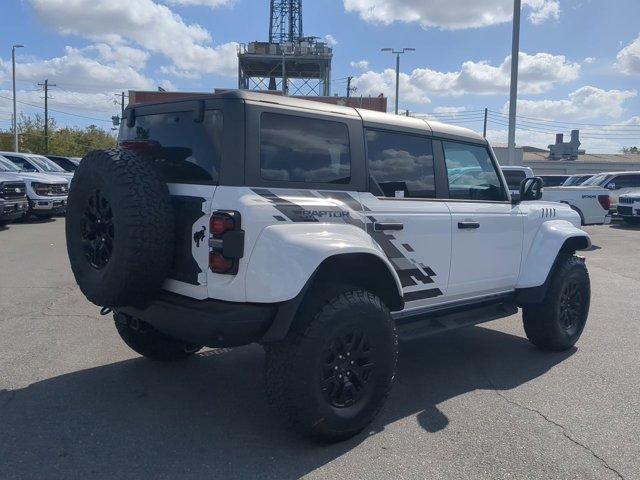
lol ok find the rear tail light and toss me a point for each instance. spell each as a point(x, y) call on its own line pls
point(221, 223)
point(219, 263)
point(605, 201)
point(226, 242)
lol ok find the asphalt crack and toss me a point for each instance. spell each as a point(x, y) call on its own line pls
point(562, 428)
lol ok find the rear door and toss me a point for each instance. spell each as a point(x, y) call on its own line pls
point(487, 230)
point(185, 141)
point(404, 216)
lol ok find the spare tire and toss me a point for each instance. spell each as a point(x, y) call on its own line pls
point(120, 228)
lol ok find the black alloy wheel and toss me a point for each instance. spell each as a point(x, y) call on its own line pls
point(571, 307)
point(348, 363)
point(98, 231)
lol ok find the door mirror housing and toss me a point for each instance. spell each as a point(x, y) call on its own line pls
point(611, 186)
point(531, 189)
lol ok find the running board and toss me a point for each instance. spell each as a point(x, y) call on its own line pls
point(427, 324)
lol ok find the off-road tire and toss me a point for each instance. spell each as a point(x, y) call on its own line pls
point(141, 228)
point(152, 344)
point(544, 323)
point(296, 367)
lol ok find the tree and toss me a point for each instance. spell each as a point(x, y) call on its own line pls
point(66, 141)
point(630, 150)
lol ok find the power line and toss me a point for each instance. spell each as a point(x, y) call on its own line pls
point(585, 131)
point(541, 120)
point(59, 111)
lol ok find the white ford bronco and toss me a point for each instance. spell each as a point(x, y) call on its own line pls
point(322, 232)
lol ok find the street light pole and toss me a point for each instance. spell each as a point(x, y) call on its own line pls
point(513, 96)
point(397, 54)
point(15, 109)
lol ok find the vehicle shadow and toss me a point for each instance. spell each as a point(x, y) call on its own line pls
point(35, 220)
point(209, 417)
point(625, 226)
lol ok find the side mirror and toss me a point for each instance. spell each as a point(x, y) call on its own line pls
point(611, 186)
point(531, 189)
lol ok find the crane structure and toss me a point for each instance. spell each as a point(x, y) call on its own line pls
point(288, 62)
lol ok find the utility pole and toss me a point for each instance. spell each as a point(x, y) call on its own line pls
point(349, 86)
point(46, 86)
point(513, 96)
point(397, 54)
point(484, 130)
point(15, 110)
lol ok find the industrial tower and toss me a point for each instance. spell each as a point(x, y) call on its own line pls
point(286, 21)
point(289, 61)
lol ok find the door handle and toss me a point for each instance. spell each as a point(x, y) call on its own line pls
point(468, 225)
point(379, 226)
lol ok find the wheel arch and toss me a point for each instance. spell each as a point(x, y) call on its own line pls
point(559, 238)
point(363, 270)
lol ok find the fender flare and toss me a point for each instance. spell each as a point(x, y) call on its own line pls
point(553, 238)
point(286, 256)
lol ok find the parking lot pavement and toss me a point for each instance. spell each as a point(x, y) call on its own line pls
point(476, 403)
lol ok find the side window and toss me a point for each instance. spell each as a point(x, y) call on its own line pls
point(627, 181)
point(472, 175)
point(301, 149)
point(400, 165)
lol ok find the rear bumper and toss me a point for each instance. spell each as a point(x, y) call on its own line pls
point(212, 323)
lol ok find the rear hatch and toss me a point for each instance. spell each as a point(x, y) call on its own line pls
point(184, 141)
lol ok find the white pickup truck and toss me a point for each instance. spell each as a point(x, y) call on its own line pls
point(592, 202)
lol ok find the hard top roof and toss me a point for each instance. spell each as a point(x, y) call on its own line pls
point(368, 116)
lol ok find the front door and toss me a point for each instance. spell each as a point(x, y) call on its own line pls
point(487, 230)
point(405, 219)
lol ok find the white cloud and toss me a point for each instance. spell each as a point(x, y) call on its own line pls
point(543, 10)
point(538, 74)
point(330, 40)
point(374, 83)
point(203, 3)
point(152, 26)
point(628, 59)
point(584, 103)
point(360, 64)
point(589, 61)
point(451, 110)
point(450, 14)
point(95, 105)
point(94, 68)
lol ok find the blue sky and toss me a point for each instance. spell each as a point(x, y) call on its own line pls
point(579, 62)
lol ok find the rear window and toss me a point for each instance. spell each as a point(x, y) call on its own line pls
point(599, 180)
point(186, 151)
point(302, 149)
point(514, 178)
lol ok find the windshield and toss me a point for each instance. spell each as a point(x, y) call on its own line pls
point(599, 180)
point(7, 166)
point(576, 180)
point(45, 164)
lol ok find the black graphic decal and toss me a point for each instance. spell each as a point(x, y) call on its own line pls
point(199, 236)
